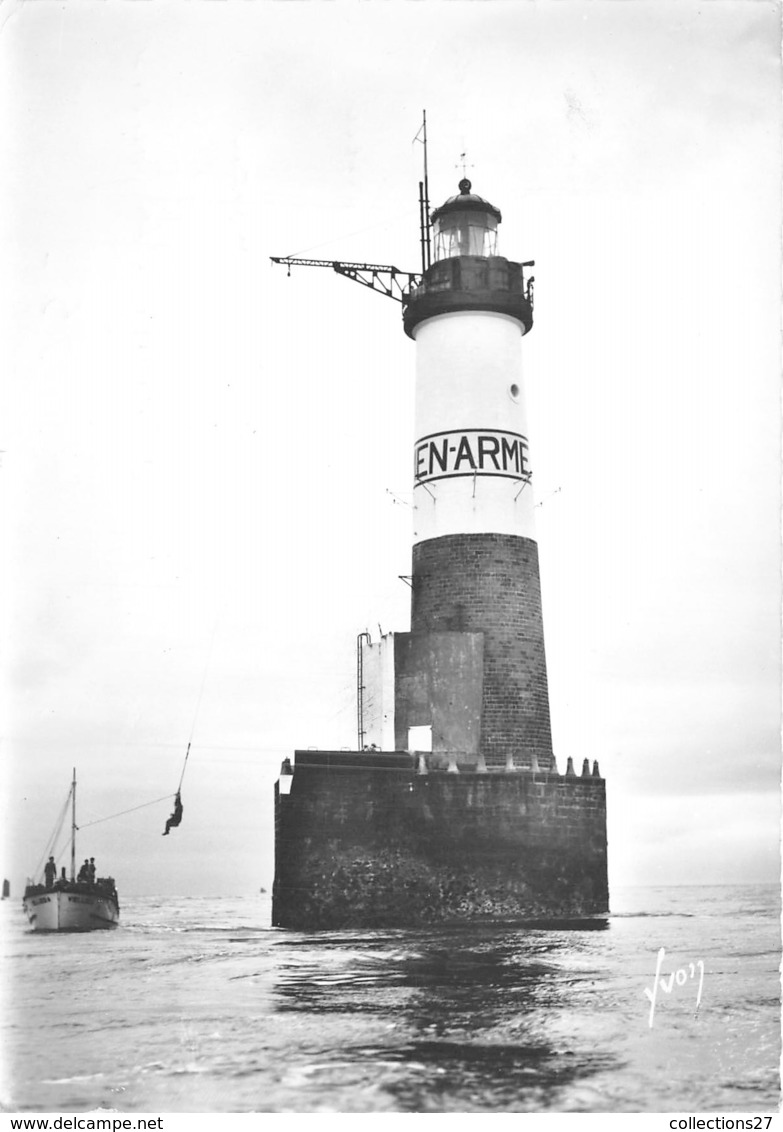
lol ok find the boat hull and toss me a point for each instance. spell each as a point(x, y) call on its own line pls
point(63, 910)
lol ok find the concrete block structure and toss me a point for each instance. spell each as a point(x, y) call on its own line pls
point(454, 809)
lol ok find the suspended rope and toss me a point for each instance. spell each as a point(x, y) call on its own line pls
point(50, 845)
point(132, 810)
point(184, 768)
point(64, 847)
point(176, 815)
point(387, 223)
point(201, 689)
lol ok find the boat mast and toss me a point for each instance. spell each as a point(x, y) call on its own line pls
point(73, 827)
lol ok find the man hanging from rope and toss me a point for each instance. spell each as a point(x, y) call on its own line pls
point(176, 817)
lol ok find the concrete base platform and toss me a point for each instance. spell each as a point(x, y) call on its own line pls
point(366, 840)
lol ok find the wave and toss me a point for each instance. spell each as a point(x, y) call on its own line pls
point(654, 915)
point(72, 1080)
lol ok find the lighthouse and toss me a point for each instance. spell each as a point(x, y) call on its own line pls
point(475, 556)
point(452, 807)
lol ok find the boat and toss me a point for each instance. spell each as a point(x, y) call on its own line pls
point(63, 905)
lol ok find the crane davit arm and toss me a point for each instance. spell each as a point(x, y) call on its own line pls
point(380, 277)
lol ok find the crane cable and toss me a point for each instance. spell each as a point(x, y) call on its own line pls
point(184, 766)
point(165, 797)
point(198, 702)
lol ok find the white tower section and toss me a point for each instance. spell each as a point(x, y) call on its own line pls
point(471, 456)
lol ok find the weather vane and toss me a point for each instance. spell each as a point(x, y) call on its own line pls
point(463, 163)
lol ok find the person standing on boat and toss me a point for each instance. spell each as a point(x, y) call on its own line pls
point(91, 871)
point(50, 872)
point(84, 872)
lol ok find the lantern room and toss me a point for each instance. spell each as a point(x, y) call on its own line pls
point(465, 225)
point(466, 272)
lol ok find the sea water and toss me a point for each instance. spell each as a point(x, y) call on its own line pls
point(198, 1005)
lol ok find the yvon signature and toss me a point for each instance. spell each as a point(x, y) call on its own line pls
point(680, 977)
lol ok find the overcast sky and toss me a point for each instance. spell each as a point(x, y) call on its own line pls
point(206, 466)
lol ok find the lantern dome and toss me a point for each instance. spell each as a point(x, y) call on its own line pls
point(465, 224)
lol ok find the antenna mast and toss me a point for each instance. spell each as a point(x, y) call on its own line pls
point(424, 201)
point(384, 277)
point(73, 827)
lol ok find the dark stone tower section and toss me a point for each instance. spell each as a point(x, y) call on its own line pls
point(489, 583)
